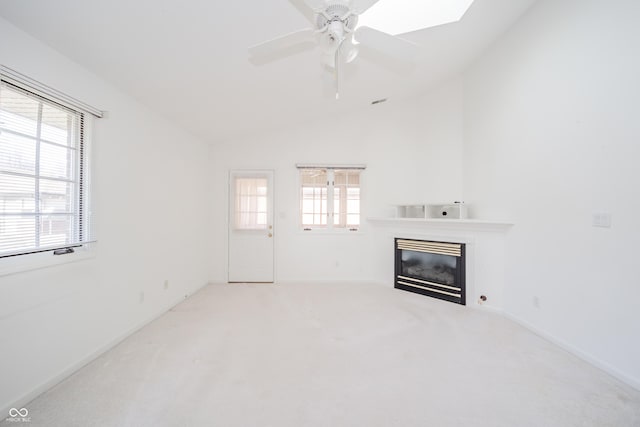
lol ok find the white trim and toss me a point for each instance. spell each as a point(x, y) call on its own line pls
point(330, 227)
point(331, 232)
point(32, 258)
point(328, 166)
point(592, 360)
point(36, 261)
point(76, 366)
point(441, 223)
point(41, 89)
point(48, 248)
point(28, 397)
point(271, 217)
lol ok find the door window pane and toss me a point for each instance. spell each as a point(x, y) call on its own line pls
point(251, 207)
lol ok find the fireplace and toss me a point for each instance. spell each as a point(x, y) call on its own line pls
point(435, 269)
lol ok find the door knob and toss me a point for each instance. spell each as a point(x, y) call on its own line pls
point(270, 234)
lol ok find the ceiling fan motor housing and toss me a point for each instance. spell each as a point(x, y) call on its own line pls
point(336, 23)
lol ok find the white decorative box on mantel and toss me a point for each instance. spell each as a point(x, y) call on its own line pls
point(455, 210)
point(486, 256)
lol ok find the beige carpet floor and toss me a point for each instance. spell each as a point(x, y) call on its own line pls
point(334, 355)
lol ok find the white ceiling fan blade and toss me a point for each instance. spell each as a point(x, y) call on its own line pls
point(305, 9)
point(361, 6)
point(283, 46)
point(387, 44)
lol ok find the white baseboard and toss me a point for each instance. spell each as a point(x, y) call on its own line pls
point(24, 400)
point(327, 282)
point(485, 307)
point(633, 382)
point(69, 370)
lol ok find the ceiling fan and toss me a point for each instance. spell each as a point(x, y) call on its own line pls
point(333, 29)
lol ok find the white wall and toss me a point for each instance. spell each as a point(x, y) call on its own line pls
point(413, 152)
point(546, 135)
point(552, 137)
point(152, 214)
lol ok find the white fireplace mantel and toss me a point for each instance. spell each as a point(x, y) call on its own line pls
point(440, 223)
point(485, 250)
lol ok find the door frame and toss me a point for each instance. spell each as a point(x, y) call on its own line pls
point(231, 210)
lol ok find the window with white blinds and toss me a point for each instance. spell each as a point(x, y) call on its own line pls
point(330, 198)
point(43, 191)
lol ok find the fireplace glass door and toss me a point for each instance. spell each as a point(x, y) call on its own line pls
point(430, 268)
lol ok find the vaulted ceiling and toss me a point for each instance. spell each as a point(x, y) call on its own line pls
point(188, 60)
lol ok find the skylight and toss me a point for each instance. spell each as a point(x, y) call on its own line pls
point(403, 16)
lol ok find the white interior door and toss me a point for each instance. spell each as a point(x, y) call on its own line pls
point(251, 233)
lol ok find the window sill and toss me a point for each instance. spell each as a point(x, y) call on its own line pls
point(24, 263)
point(322, 232)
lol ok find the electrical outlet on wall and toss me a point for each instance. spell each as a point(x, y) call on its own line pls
point(141, 297)
point(166, 284)
point(536, 302)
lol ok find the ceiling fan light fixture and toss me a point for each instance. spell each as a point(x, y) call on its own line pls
point(348, 53)
point(348, 49)
point(332, 37)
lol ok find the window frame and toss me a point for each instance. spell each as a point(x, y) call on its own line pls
point(83, 236)
point(330, 187)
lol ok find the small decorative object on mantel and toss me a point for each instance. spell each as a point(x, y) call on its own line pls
point(411, 211)
point(455, 210)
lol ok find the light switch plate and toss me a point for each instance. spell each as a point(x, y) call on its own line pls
point(602, 220)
